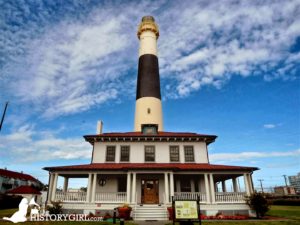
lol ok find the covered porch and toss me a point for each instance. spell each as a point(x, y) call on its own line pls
point(139, 187)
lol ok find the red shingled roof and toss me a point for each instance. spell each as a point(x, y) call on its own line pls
point(24, 190)
point(160, 133)
point(16, 175)
point(152, 166)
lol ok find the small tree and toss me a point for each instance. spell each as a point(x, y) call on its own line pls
point(259, 203)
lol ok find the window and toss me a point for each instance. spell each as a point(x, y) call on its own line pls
point(110, 153)
point(174, 153)
point(125, 153)
point(149, 153)
point(189, 153)
point(149, 128)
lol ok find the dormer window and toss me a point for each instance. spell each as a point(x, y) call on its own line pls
point(149, 128)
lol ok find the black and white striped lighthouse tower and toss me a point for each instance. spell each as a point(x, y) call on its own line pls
point(148, 110)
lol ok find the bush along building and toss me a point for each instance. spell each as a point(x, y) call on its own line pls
point(146, 167)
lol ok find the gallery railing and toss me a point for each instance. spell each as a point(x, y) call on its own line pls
point(70, 196)
point(119, 197)
point(230, 197)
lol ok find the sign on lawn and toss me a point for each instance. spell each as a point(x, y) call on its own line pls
point(186, 210)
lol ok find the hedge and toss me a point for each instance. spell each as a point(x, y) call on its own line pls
point(290, 202)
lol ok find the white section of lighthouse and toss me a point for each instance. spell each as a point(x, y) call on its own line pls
point(148, 109)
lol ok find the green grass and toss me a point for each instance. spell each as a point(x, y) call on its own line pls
point(7, 212)
point(10, 212)
point(290, 212)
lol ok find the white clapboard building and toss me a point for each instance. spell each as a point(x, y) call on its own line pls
point(146, 167)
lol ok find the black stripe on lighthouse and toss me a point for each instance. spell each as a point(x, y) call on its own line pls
point(148, 84)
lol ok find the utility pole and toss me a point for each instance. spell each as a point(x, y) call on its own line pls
point(3, 115)
point(262, 189)
point(285, 180)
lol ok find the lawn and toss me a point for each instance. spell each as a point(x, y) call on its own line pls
point(290, 212)
point(7, 212)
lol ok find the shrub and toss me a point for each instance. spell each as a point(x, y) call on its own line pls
point(290, 202)
point(259, 203)
point(10, 201)
point(56, 208)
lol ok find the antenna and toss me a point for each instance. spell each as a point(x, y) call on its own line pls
point(6, 104)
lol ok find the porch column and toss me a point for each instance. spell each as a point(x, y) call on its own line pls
point(50, 185)
point(224, 186)
point(235, 186)
point(89, 187)
point(133, 195)
point(247, 188)
point(250, 183)
point(212, 188)
point(66, 182)
point(128, 187)
point(54, 186)
point(171, 184)
point(94, 187)
point(206, 187)
point(166, 188)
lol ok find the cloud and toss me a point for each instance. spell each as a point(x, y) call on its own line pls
point(27, 144)
point(269, 126)
point(70, 57)
point(212, 42)
point(246, 156)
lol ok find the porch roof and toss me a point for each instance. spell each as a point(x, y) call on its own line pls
point(151, 166)
point(160, 136)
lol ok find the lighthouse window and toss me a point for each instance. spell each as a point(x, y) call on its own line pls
point(174, 153)
point(149, 128)
point(110, 153)
point(149, 153)
point(148, 110)
point(189, 153)
point(125, 153)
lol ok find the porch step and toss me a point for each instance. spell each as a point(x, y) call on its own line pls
point(150, 212)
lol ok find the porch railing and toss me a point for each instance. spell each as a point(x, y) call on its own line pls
point(119, 197)
point(191, 195)
point(70, 196)
point(233, 197)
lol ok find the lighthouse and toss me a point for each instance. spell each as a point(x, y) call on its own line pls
point(148, 109)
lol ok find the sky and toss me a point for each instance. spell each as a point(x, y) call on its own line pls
point(228, 68)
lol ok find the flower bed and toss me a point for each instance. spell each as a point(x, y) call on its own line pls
point(223, 217)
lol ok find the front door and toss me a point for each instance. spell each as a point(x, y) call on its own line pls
point(150, 191)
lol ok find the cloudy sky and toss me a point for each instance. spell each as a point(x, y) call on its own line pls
point(229, 68)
